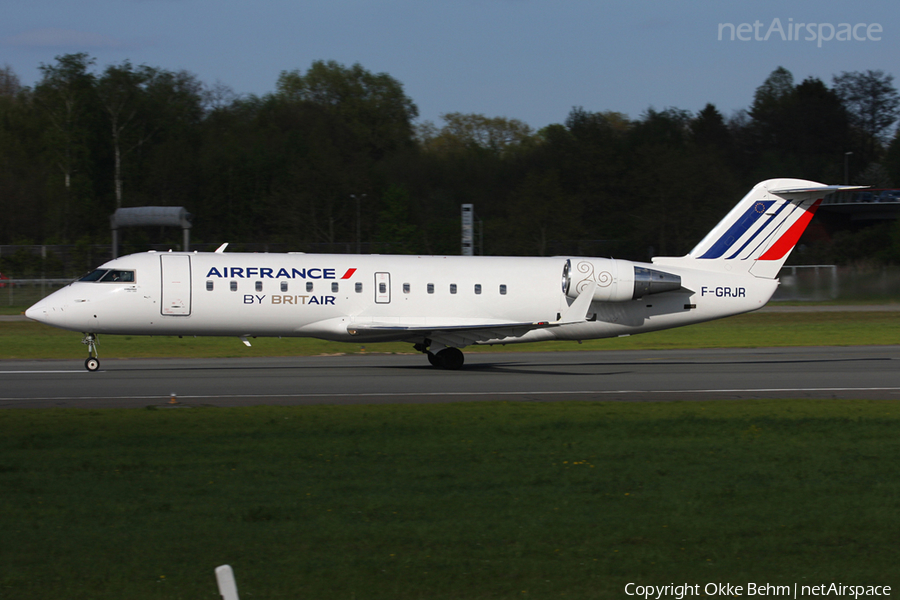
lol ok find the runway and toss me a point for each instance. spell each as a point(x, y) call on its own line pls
point(867, 372)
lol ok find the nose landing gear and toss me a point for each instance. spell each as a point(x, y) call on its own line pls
point(92, 362)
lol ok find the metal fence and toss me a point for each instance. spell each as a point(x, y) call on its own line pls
point(830, 282)
point(25, 292)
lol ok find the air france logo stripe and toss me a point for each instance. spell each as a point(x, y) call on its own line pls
point(784, 244)
point(740, 227)
point(774, 232)
point(759, 230)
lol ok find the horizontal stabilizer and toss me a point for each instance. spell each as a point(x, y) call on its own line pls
point(824, 189)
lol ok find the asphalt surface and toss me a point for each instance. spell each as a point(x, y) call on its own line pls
point(868, 372)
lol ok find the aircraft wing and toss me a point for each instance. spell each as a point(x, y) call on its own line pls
point(460, 333)
point(449, 334)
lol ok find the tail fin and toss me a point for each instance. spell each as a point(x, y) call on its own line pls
point(757, 236)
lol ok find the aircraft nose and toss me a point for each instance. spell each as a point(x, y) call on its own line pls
point(35, 312)
point(46, 311)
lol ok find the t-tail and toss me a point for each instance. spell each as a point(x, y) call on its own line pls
point(757, 236)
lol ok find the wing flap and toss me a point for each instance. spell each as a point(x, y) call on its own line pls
point(456, 335)
point(361, 329)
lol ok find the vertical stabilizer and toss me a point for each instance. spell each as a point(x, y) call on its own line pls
point(757, 236)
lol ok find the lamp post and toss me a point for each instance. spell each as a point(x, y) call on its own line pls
point(847, 168)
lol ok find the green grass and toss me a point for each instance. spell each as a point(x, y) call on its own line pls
point(568, 500)
point(480, 500)
point(27, 340)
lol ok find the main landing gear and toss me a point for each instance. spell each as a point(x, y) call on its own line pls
point(92, 362)
point(451, 359)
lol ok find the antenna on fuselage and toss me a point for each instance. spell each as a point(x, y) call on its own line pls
point(221, 249)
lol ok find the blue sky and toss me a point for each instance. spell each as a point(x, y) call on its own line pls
point(526, 59)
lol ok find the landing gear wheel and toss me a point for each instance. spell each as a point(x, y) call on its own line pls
point(92, 363)
point(451, 359)
point(433, 359)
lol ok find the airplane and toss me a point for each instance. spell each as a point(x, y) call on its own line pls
point(441, 304)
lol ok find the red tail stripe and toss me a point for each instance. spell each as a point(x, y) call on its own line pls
point(349, 274)
point(786, 242)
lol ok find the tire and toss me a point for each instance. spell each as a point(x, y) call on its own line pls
point(92, 364)
point(451, 359)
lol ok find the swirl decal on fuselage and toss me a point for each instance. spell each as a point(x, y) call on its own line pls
point(603, 278)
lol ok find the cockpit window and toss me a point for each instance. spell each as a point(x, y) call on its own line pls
point(123, 276)
point(109, 275)
point(94, 275)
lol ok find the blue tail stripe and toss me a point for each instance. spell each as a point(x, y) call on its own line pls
point(759, 248)
point(758, 231)
point(739, 228)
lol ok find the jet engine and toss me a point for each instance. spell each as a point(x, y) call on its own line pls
point(617, 280)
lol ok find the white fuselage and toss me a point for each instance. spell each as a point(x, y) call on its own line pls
point(343, 297)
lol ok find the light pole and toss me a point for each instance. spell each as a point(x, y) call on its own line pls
point(847, 168)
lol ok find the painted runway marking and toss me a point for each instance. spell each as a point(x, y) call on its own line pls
point(472, 394)
point(41, 372)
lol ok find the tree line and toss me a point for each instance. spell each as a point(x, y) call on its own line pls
point(335, 159)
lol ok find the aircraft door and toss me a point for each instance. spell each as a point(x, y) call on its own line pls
point(382, 288)
point(176, 285)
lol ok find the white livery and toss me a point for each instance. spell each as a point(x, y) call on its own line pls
point(441, 303)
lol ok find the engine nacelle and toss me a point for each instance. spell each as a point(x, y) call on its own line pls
point(617, 280)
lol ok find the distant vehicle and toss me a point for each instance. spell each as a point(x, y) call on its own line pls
point(3, 281)
point(442, 303)
point(889, 196)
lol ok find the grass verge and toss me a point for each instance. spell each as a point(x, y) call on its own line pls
point(492, 500)
point(28, 340)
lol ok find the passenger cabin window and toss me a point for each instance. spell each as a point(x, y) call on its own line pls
point(209, 286)
point(502, 289)
point(359, 287)
point(477, 288)
point(405, 288)
point(309, 286)
point(284, 286)
point(259, 286)
point(234, 286)
point(109, 276)
point(430, 288)
point(335, 287)
point(452, 288)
